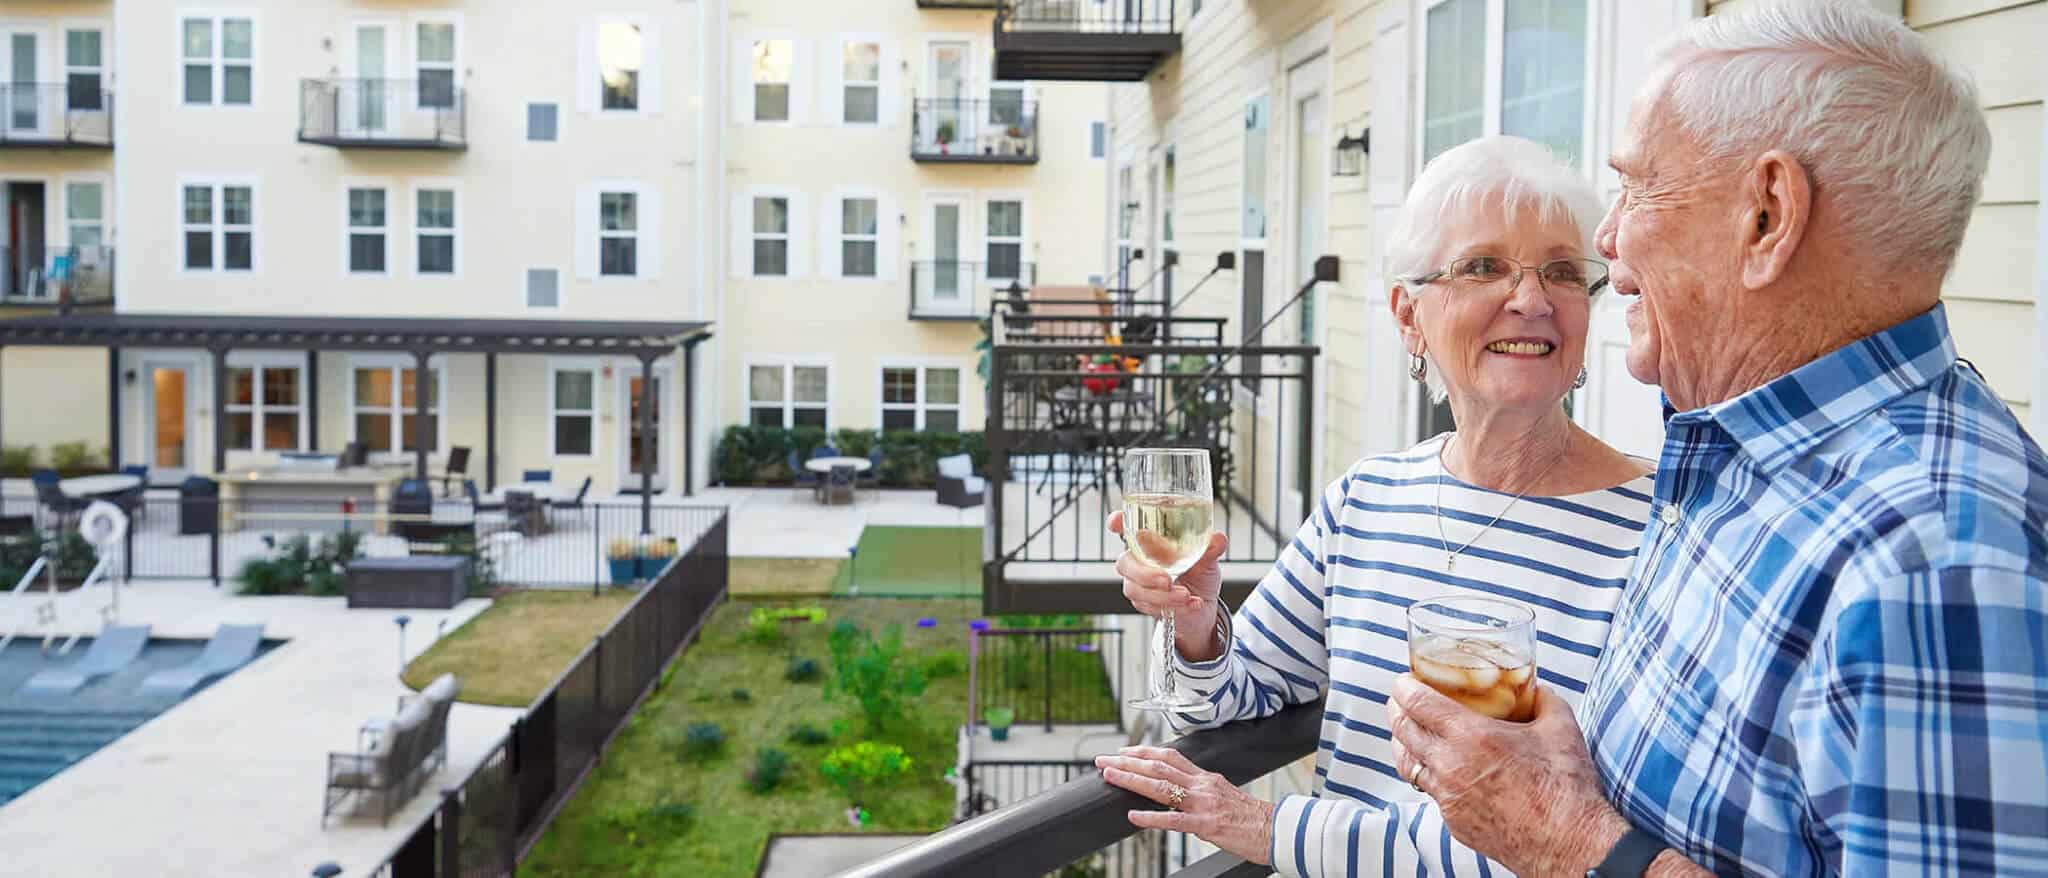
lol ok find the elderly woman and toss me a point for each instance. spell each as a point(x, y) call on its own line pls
point(1492, 291)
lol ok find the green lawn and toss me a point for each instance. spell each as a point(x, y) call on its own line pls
point(614, 825)
point(512, 651)
point(914, 561)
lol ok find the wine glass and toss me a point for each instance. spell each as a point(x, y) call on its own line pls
point(1167, 496)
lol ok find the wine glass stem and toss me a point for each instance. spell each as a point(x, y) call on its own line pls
point(1166, 671)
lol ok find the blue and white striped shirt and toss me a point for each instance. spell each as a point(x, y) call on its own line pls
point(1332, 616)
point(1834, 656)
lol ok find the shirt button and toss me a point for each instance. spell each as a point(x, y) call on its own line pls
point(1669, 514)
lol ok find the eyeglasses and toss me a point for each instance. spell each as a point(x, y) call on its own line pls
point(1564, 277)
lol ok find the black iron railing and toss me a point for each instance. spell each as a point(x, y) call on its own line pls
point(386, 113)
point(1086, 16)
point(954, 290)
point(1047, 676)
point(989, 131)
point(56, 275)
point(956, 4)
point(43, 114)
point(489, 822)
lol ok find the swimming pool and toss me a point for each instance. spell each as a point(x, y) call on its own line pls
point(41, 736)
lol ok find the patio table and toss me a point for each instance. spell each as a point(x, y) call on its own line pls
point(98, 486)
point(825, 464)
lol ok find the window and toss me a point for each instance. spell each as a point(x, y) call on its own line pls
point(219, 58)
point(921, 398)
point(84, 70)
point(1098, 140)
point(1166, 184)
point(85, 216)
point(862, 80)
point(264, 411)
point(1540, 50)
point(1255, 129)
point(1006, 106)
point(618, 234)
point(859, 235)
point(219, 227)
point(543, 286)
point(385, 407)
point(787, 395)
point(574, 402)
point(366, 226)
point(619, 61)
point(771, 236)
point(435, 225)
point(434, 64)
point(773, 62)
point(540, 121)
point(1006, 240)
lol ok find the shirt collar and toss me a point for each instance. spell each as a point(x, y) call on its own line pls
point(1795, 413)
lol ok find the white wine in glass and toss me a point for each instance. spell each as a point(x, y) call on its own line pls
point(1167, 494)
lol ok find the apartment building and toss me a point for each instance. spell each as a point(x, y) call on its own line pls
point(781, 213)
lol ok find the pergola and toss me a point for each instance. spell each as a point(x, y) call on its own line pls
point(421, 337)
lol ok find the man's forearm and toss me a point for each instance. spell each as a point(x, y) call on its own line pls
point(1607, 832)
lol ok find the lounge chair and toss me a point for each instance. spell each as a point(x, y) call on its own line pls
point(232, 646)
point(116, 646)
point(394, 757)
point(575, 505)
point(959, 487)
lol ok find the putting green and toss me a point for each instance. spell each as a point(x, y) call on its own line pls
point(914, 562)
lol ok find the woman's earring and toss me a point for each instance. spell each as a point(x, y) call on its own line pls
point(1418, 368)
point(1580, 382)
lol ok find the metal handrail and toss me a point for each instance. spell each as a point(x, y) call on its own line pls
point(59, 114)
point(940, 126)
point(46, 611)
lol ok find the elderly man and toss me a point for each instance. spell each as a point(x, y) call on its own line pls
point(1833, 653)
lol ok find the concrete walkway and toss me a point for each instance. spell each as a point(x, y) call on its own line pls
point(228, 783)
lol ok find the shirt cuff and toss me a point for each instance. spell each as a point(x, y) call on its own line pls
point(1298, 822)
point(1205, 677)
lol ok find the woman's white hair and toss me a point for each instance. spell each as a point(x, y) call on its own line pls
point(1508, 174)
point(1889, 132)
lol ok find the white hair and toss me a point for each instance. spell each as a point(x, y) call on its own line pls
point(1509, 174)
point(1887, 130)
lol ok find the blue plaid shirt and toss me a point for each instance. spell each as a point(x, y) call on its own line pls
point(1833, 656)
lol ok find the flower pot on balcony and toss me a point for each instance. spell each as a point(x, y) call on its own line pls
point(999, 720)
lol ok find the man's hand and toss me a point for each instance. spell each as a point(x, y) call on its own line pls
point(1523, 794)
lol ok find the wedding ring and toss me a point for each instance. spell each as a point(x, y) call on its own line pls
point(1416, 780)
point(1177, 795)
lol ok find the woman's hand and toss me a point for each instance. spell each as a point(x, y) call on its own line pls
point(1209, 806)
point(1192, 600)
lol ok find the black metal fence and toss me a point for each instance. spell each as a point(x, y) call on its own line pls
point(77, 275)
point(955, 290)
point(1044, 677)
point(428, 113)
point(1112, 17)
point(995, 785)
point(487, 823)
point(56, 114)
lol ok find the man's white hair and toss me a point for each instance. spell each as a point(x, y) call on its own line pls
point(1508, 174)
point(1889, 132)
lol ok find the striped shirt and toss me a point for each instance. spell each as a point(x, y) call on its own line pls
point(1331, 616)
point(1833, 658)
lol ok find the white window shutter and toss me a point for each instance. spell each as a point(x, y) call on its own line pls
point(888, 237)
point(802, 81)
point(831, 63)
point(743, 234)
point(586, 66)
point(650, 68)
point(886, 111)
point(799, 234)
point(649, 254)
point(829, 227)
point(743, 81)
point(586, 231)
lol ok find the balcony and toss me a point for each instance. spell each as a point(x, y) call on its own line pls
point(54, 115)
point(956, 4)
point(59, 277)
point(424, 114)
point(974, 131)
point(960, 291)
point(1085, 40)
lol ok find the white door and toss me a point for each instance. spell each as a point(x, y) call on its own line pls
point(366, 108)
point(169, 408)
point(629, 432)
point(20, 62)
point(946, 82)
point(1309, 194)
point(952, 275)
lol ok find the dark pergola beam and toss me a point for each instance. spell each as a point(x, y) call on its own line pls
point(312, 401)
point(219, 406)
point(114, 408)
point(420, 431)
point(646, 445)
point(491, 422)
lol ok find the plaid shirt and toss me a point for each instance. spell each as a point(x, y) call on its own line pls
point(1833, 656)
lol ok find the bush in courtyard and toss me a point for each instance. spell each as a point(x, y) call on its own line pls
point(874, 673)
point(770, 767)
point(803, 670)
point(742, 696)
point(73, 558)
point(301, 566)
point(750, 455)
point(18, 461)
point(945, 663)
point(76, 458)
point(865, 766)
point(765, 624)
point(808, 735)
point(661, 821)
point(699, 742)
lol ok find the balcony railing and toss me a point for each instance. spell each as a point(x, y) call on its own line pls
point(61, 276)
point(986, 132)
point(952, 290)
point(383, 113)
point(56, 115)
point(956, 4)
point(1114, 41)
point(1083, 818)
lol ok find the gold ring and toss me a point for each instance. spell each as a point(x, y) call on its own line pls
point(1177, 795)
point(1416, 780)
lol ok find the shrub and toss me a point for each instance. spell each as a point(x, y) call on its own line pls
point(770, 765)
point(743, 696)
point(871, 672)
point(301, 566)
point(808, 735)
point(700, 742)
point(762, 629)
point(803, 670)
point(946, 663)
point(18, 461)
point(865, 765)
point(760, 455)
point(75, 457)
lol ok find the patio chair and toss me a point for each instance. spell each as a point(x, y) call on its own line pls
point(804, 478)
point(394, 758)
point(53, 498)
point(114, 648)
point(840, 483)
point(477, 501)
point(537, 476)
point(355, 454)
point(232, 646)
point(872, 479)
point(529, 516)
point(959, 487)
point(458, 466)
point(575, 505)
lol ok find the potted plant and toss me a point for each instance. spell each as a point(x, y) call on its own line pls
point(1102, 364)
point(634, 560)
point(945, 137)
point(999, 720)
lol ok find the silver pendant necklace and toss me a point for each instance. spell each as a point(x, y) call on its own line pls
point(1444, 475)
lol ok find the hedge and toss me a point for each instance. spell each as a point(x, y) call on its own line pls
point(750, 455)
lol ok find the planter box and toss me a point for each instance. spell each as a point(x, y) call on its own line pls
point(425, 582)
point(626, 571)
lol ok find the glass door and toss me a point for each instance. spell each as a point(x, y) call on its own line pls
point(950, 276)
point(169, 418)
point(24, 107)
point(630, 459)
point(368, 110)
point(948, 88)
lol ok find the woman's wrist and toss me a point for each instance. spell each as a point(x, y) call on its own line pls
point(1196, 634)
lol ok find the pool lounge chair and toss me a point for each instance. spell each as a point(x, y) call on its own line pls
point(116, 646)
point(394, 758)
point(232, 646)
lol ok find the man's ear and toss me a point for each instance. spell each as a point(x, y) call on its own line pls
point(1776, 212)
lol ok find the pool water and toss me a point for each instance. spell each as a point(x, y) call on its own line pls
point(43, 735)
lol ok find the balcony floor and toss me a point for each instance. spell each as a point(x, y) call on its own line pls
point(1032, 743)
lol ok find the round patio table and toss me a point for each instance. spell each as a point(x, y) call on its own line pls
point(825, 464)
point(542, 491)
point(98, 486)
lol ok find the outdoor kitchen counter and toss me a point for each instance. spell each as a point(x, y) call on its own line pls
point(306, 499)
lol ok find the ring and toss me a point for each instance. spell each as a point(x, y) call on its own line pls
point(1176, 796)
point(1416, 780)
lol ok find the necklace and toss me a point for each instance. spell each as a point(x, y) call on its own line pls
point(1444, 475)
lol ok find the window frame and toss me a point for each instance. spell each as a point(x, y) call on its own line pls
point(397, 364)
point(846, 83)
point(453, 65)
point(788, 403)
point(416, 232)
point(787, 236)
point(639, 74)
point(257, 363)
point(217, 61)
point(1492, 91)
point(556, 412)
point(105, 184)
point(989, 238)
point(754, 84)
point(922, 405)
point(218, 228)
point(349, 230)
point(101, 71)
point(842, 237)
point(632, 235)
